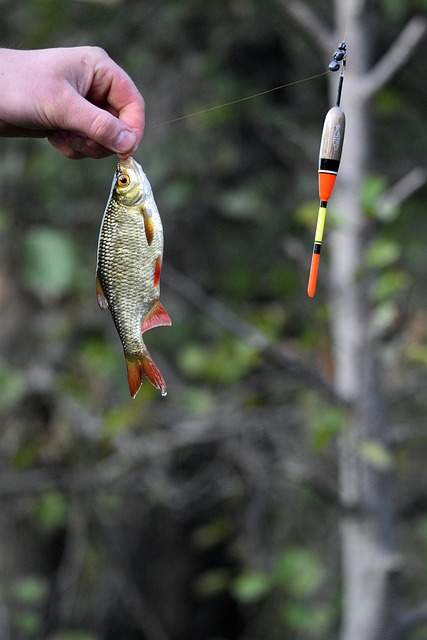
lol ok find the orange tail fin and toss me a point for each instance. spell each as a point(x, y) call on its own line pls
point(137, 368)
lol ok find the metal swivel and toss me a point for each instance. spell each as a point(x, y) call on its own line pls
point(338, 57)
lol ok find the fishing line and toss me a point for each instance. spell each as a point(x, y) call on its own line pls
point(231, 102)
point(350, 7)
point(261, 93)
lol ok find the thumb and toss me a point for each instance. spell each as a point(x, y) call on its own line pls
point(99, 125)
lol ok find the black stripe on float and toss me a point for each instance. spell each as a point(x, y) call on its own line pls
point(329, 165)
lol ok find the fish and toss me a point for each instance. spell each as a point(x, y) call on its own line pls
point(129, 263)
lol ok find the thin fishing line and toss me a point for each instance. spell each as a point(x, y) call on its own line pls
point(350, 7)
point(231, 102)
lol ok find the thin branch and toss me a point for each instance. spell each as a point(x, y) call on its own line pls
point(71, 564)
point(309, 22)
point(231, 322)
point(144, 618)
point(395, 57)
point(413, 618)
point(402, 189)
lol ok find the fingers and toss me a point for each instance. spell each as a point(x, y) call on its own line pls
point(75, 146)
point(92, 129)
point(82, 101)
point(112, 88)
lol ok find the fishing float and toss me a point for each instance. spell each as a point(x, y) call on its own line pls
point(331, 145)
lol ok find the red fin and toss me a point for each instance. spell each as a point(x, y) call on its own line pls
point(149, 225)
point(102, 300)
point(134, 375)
point(137, 367)
point(153, 374)
point(157, 271)
point(156, 317)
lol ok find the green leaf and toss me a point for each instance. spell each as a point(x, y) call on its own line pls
point(306, 213)
point(51, 510)
point(382, 253)
point(326, 424)
point(223, 363)
point(210, 583)
point(387, 101)
point(251, 586)
point(198, 400)
point(377, 455)
point(28, 621)
point(307, 617)
point(74, 635)
point(373, 188)
point(31, 590)
point(393, 10)
point(417, 353)
point(389, 284)
point(194, 359)
point(50, 262)
point(12, 386)
point(299, 571)
point(211, 534)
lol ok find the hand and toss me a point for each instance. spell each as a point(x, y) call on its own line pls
point(77, 97)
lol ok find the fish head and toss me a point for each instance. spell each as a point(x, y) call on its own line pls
point(131, 186)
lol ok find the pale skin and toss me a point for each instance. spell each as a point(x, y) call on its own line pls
point(77, 97)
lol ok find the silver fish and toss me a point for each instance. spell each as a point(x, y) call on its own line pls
point(129, 262)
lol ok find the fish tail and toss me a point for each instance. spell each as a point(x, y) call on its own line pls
point(141, 366)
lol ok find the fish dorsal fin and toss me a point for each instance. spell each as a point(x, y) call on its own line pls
point(100, 295)
point(156, 317)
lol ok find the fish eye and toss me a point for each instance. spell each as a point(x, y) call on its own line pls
point(123, 180)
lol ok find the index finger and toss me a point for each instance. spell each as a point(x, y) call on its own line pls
point(113, 89)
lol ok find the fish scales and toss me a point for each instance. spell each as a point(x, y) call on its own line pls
point(130, 253)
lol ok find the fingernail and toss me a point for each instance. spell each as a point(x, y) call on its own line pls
point(77, 142)
point(125, 141)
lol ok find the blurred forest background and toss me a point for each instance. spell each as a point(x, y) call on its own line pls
point(222, 512)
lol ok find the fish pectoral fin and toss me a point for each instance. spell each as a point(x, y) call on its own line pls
point(156, 317)
point(140, 366)
point(149, 225)
point(100, 295)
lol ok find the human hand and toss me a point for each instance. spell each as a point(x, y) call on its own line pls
point(77, 97)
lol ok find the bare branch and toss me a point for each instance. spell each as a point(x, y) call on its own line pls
point(71, 564)
point(143, 617)
point(396, 56)
point(310, 23)
point(402, 189)
point(231, 322)
point(414, 617)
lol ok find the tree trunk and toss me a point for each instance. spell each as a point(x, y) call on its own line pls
point(369, 558)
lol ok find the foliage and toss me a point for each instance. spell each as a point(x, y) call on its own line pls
point(211, 513)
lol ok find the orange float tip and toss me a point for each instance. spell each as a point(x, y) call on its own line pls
point(326, 184)
point(312, 278)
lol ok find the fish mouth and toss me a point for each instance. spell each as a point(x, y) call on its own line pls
point(139, 179)
point(129, 163)
point(133, 165)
